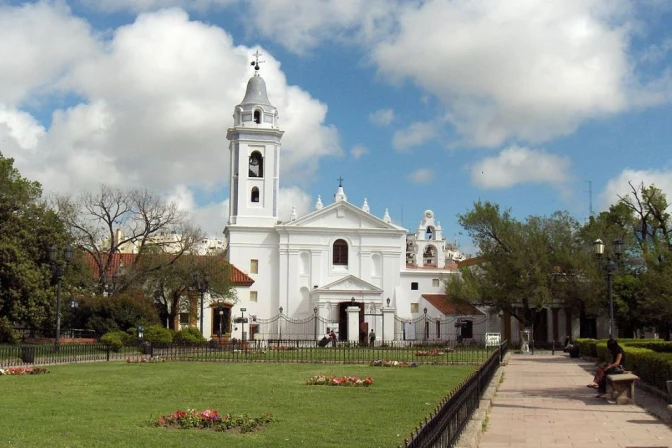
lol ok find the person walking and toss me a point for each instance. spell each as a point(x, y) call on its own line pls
point(372, 338)
point(333, 338)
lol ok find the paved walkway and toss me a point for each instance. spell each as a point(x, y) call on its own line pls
point(543, 402)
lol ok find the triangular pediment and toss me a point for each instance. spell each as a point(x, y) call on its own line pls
point(349, 284)
point(341, 215)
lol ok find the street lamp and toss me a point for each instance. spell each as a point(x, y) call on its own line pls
point(424, 330)
point(611, 267)
point(201, 285)
point(58, 269)
point(221, 317)
point(315, 318)
point(280, 324)
point(242, 323)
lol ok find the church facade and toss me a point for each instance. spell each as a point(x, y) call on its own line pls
point(337, 259)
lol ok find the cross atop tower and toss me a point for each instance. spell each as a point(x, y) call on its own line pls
point(340, 181)
point(256, 61)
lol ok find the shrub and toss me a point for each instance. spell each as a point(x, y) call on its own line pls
point(114, 340)
point(156, 334)
point(655, 345)
point(653, 368)
point(7, 333)
point(189, 335)
point(587, 347)
point(116, 312)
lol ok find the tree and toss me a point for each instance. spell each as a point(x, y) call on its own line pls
point(525, 264)
point(115, 220)
point(27, 229)
point(172, 284)
point(642, 283)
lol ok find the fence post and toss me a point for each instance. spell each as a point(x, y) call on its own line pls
point(107, 349)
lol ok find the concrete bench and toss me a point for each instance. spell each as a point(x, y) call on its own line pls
point(622, 387)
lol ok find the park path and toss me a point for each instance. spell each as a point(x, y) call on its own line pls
point(543, 402)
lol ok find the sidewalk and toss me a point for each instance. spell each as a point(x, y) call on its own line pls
point(543, 401)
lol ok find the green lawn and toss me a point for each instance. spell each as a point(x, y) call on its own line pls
point(114, 404)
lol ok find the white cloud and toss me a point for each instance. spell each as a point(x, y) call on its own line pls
point(518, 165)
point(533, 71)
point(301, 25)
point(293, 197)
point(414, 135)
point(620, 185)
point(21, 127)
point(382, 117)
point(421, 176)
point(155, 101)
point(152, 5)
point(358, 151)
point(38, 42)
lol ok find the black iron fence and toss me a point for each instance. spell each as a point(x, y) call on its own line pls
point(307, 351)
point(292, 351)
point(444, 426)
point(22, 354)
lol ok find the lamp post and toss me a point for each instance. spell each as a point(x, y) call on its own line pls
point(242, 323)
point(280, 323)
point(382, 336)
point(611, 267)
point(315, 318)
point(59, 268)
point(424, 330)
point(220, 311)
point(201, 285)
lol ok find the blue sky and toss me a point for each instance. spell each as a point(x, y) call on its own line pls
point(416, 104)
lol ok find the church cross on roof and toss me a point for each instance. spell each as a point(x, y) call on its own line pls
point(256, 62)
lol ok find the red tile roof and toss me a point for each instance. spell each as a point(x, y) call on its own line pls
point(471, 261)
point(441, 303)
point(238, 277)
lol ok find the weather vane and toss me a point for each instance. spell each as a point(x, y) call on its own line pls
point(256, 61)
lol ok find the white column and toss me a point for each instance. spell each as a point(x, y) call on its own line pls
point(388, 324)
point(353, 323)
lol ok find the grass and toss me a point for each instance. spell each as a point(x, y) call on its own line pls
point(114, 404)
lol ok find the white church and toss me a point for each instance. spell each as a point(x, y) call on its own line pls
point(337, 268)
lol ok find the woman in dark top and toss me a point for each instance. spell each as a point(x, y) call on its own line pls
point(616, 366)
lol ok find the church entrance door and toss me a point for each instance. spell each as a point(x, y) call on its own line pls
point(343, 321)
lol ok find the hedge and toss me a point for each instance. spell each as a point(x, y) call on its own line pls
point(653, 367)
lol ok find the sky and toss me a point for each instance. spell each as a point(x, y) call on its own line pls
point(537, 106)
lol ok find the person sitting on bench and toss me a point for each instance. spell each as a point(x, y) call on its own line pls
point(616, 366)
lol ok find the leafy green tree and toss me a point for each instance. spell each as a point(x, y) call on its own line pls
point(27, 229)
point(117, 312)
point(174, 282)
point(524, 264)
point(642, 283)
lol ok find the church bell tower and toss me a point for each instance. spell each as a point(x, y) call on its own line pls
point(254, 145)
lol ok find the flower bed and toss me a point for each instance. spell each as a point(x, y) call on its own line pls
point(332, 380)
point(213, 420)
point(143, 359)
point(23, 371)
point(383, 363)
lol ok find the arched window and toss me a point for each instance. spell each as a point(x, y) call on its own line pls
point(340, 256)
point(254, 197)
point(257, 116)
point(429, 256)
point(256, 163)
